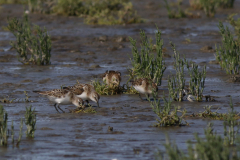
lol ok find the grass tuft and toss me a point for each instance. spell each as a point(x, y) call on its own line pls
point(197, 80)
point(167, 116)
point(211, 146)
point(228, 54)
point(176, 83)
point(32, 43)
point(102, 12)
point(145, 64)
point(104, 89)
point(84, 110)
point(30, 121)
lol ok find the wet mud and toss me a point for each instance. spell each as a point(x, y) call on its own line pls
point(122, 128)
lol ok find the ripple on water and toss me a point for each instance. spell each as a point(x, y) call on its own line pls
point(213, 80)
point(6, 36)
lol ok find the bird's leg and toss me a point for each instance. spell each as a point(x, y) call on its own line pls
point(148, 97)
point(56, 107)
point(98, 105)
point(60, 108)
point(140, 97)
point(88, 103)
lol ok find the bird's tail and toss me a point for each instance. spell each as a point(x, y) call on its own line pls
point(66, 88)
point(40, 92)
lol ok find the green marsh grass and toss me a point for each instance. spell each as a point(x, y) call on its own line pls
point(228, 53)
point(32, 43)
point(30, 121)
point(20, 133)
point(102, 12)
point(236, 24)
point(210, 147)
point(13, 2)
point(166, 114)
point(145, 63)
point(88, 109)
point(172, 13)
point(210, 6)
point(208, 113)
point(7, 100)
point(197, 80)
point(104, 89)
point(176, 83)
point(5, 133)
point(230, 124)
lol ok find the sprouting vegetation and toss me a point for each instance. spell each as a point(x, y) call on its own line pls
point(30, 121)
point(145, 64)
point(228, 53)
point(230, 123)
point(210, 6)
point(32, 43)
point(167, 115)
point(176, 83)
point(195, 4)
point(20, 133)
point(26, 97)
point(208, 113)
point(7, 100)
point(104, 89)
point(3, 127)
point(5, 133)
point(88, 109)
point(235, 24)
point(197, 80)
point(227, 3)
point(13, 1)
point(172, 12)
point(212, 146)
point(103, 12)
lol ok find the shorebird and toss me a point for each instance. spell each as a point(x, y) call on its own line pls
point(112, 78)
point(85, 92)
point(190, 97)
point(62, 96)
point(144, 86)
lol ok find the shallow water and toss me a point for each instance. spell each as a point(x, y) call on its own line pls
point(86, 136)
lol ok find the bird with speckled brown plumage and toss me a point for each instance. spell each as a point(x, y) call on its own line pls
point(62, 96)
point(112, 78)
point(85, 92)
point(144, 86)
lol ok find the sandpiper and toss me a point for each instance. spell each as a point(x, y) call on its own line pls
point(62, 96)
point(190, 97)
point(85, 92)
point(112, 78)
point(144, 86)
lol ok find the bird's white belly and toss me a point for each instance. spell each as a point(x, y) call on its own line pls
point(140, 89)
point(83, 96)
point(62, 100)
